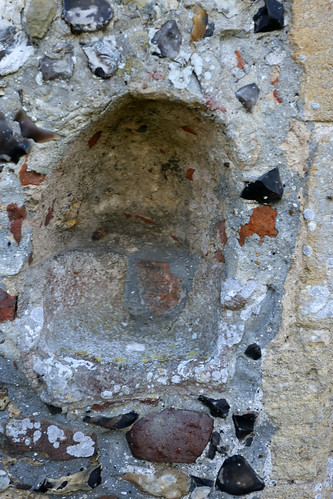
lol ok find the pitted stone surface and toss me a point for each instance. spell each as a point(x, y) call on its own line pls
point(172, 435)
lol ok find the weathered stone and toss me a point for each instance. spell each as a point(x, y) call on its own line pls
point(172, 435)
point(266, 189)
point(16, 216)
point(7, 306)
point(214, 443)
point(39, 16)
point(262, 222)
point(160, 290)
point(59, 443)
point(52, 69)
point(236, 477)
point(87, 15)
point(31, 131)
point(4, 481)
point(83, 480)
point(248, 95)
point(253, 351)
point(168, 39)
point(270, 17)
point(166, 482)
point(244, 424)
point(219, 408)
point(15, 49)
point(11, 149)
point(4, 399)
point(200, 22)
point(114, 423)
point(103, 57)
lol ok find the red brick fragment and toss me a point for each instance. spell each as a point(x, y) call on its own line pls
point(262, 222)
point(49, 215)
point(220, 233)
point(214, 105)
point(16, 217)
point(7, 306)
point(95, 138)
point(277, 97)
point(219, 256)
point(189, 173)
point(160, 289)
point(189, 130)
point(146, 220)
point(57, 442)
point(240, 61)
point(171, 436)
point(30, 178)
point(127, 215)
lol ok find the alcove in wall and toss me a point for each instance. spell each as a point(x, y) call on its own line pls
point(128, 247)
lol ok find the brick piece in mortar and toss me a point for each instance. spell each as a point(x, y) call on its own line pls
point(59, 443)
point(7, 306)
point(170, 436)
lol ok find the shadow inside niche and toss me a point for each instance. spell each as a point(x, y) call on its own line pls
point(124, 248)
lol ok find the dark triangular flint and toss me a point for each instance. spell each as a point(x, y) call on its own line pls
point(237, 478)
point(270, 17)
point(244, 424)
point(266, 189)
point(218, 408)
point(248, 95)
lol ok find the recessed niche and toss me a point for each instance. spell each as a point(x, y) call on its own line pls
point(125, 260)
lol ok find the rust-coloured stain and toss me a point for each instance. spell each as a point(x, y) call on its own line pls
point(189, 174)
point(175, 238)
point(189, 130)
point(146, 220)
point(214, 105)
point(7, 306)
point(277, 97)
point(200, 21)
point(220, 233)
point(240, 61)
point(155, 75)
point(95, 138)
point(30, 178)
point(219, 256)
point(262, 222)
point(49, 215)
point(127, 215)
point(16, 216)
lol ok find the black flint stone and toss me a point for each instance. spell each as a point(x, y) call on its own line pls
point(200, 482)
point(209, 30)
point(95, 477)
point(114, 423)
point(213, 445)
point(244, 424)
point(53, 409)
point(218, 408)
point(253, 351)
point(236, 477)
point(248, 95)
point(266, 189)
point(11, 148)
point(270, 17)
point(168, 39)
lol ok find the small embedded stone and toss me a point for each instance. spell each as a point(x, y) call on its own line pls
point(197, 481)
point(248, 95)
point(173, 435)
point(114, 423)
point(236, 477)
point(200, 22)
point(213, 444)
point(40, 14)
point(30, 131)
point(4, 399)
point(262, 223)
point(270, 17)
point(4, 481)
point(7, 306)
point(266, 189)
point(83, 480)
point(103, 57)
point(15, 49)
point(166, 482)
point(219, 408)
point(11, 149)
point(168, 39)
point(244, 424)
point(87, 15)
point(253, 351)
point(53, 69)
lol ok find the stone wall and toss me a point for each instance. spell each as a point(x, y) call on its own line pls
point(165, 291)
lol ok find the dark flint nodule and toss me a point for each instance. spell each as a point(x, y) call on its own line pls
point(168, 39)
point(209, 30)
point(114, 423)
point(31, 131)
point(87, 15)
point(213, 444)
point(95, 478)
point(219, 408)
point(244, 424)
point(236, 477)
point(266, 189)
point(11, 149)
point(270, 17)
point(248, 95)
point(200, 482)
point(253, 351)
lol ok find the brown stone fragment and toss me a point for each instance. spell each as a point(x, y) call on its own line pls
point(173, 435)
point(7, 306)
point(57, 442)
point(200, 21)
point(30, 177)
point(262, 222)
point(16, 216)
